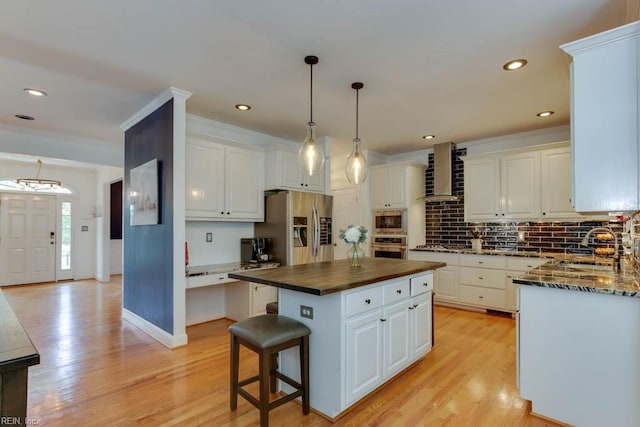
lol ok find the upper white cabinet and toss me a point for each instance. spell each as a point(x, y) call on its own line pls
point(555, 191)
point(396, 185)
point(519, 185)
point(283, 172)
point(605, 118)
point(223, 182)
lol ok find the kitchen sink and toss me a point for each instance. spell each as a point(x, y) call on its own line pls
point(581, 266)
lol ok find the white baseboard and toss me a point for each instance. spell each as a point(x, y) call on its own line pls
point(171, 341)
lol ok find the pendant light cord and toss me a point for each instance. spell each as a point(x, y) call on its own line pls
point(357, 109)
point(311, 95)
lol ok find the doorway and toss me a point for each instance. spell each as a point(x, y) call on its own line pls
point(27, 238)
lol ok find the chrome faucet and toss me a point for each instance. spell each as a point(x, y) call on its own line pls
point(616, 254)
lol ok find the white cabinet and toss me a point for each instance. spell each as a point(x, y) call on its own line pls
point(283, 172)
point(386, 330)
point(555, 192)
point(389, 186)
point(445, 279)
point(223, 182)
point(482, 281)
point(605, 118)
point(365, 353)
point(482, 189)
point(246, 299)
point(396, 185)
point(522, 185)
point(517, 266)
point(505, 187)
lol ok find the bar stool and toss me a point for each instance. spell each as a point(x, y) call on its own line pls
point(267, 335)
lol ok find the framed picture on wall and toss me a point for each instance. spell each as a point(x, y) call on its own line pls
point(143, 194)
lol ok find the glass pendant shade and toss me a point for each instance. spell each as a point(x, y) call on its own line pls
point(311, 155)
point(356, 167)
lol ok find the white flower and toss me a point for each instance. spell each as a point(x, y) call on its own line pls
point(352, 235)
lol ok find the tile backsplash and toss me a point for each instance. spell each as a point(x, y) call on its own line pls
point(445, 224)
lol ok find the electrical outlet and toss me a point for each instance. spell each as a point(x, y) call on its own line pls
point(306, 311)
point(209, 237)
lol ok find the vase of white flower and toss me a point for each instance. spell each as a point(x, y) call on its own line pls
point(353, 236)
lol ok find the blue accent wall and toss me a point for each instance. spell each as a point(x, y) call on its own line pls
point(148, 249)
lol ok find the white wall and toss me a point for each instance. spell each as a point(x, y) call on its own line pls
point(83, 183)
point(226, 241)
point(108, 252)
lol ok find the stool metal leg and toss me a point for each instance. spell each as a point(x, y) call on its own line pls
point(235, 362)
point(304, 373)
point(265, 373)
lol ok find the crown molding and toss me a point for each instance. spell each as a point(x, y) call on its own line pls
point(154, 104)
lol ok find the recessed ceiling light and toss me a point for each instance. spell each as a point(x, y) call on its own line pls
point(515, 64)
point(243, 107)
point(428, 137)
point(35, 92)
point(544, 114)
point(24, 117)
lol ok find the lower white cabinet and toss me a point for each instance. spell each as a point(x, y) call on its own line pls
point(246, 299)
point(478, 281)
point(421, 325)
point(365, 353)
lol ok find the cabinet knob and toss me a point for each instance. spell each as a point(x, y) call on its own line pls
point(425, 284)
point(481, 297)
point(302, 184)
point(480, 277)
point(480, 262)
point(399, 291)
point(496, 214)
point(306, 185)
point(415, 305)
point(502, 214)
point(228, 213)
point(544, 213)
point(368, 301)
point(222, 213)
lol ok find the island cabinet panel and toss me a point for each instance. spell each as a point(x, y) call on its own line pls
point(360, 338)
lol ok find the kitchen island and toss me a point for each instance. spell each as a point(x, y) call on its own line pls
point(367, 324)
point(579, 343)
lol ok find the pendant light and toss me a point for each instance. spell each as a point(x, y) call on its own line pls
point(311, 155)
point(356, 166)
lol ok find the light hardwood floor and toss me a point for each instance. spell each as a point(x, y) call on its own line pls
point(99, 370)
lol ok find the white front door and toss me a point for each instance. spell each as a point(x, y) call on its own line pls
point(27, 238)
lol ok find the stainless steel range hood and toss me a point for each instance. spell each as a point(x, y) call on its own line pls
point(442, 185)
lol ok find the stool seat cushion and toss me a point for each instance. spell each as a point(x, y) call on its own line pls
point(269, 330)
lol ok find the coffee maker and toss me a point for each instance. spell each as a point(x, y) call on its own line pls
point(255, 250)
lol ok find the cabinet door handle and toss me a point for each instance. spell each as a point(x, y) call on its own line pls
point(255, 289)
point(383, 320)
point(480, 262)
point(415, 305)
point(480, 277)
point(481, 297)
point(368, 301)
point(220, 278)
point(399, 291)
point(411, 307)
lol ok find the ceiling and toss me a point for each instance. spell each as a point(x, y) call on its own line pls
point(428, 66)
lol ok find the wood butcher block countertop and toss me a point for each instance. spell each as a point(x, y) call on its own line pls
point(327, 277)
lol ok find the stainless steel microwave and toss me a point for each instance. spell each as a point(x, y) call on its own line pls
point(390, 221)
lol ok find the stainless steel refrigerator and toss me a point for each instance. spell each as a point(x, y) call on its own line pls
point(299, 226)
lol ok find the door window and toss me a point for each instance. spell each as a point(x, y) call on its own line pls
point(65, 236)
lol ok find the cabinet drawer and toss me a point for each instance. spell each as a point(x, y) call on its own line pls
point(208, 280)
point(422, 284)
point(450, 259)
point(395, 291)
point(485, 261)
point(361, 301)
point(482, 277)
point(483, 296)
point(524, 264)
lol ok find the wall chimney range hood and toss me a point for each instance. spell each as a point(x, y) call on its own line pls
point(442, 185)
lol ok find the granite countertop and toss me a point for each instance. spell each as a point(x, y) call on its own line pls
point(566, 273)
point(322, 278)
point(576, 272)
point(203, 270)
